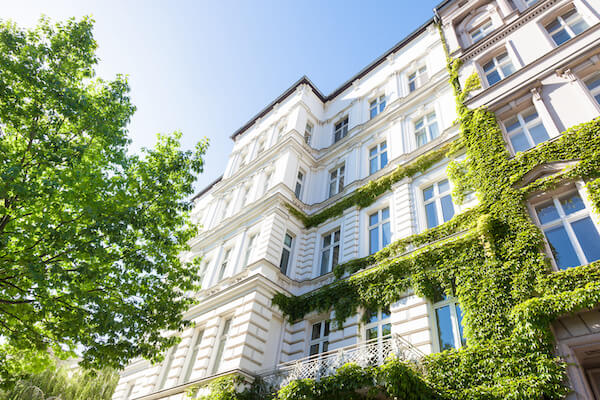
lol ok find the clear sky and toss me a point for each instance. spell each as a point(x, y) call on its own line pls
point(206, 67)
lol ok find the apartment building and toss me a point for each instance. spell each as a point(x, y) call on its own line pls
point(538, 64)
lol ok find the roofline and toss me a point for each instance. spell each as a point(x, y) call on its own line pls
point(443, 4)
point(207, 188)
point(304, 79)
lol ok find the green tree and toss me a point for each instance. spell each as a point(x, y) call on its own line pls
point(90, 235)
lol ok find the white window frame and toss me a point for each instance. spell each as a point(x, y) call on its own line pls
point(485, 28)
point(250, 248)
point(558, 16)
point(163, 377)
point(380, 149)
point(524, 126)
point(426, 129)
point(330, 249)
point(337, 181)
point(378, 226)
point(225, 210)
point(497, 66)
point(261, 146)
point(594, 91)
point(192, 355)
point(437, 200)
point(290, 249)
point(343, 124)
point(299, 183)
point(129, 390)
point(267, 181)
point(564, 219)
point(456, 326)
point(221, 273)
point(416, 78)
point(308, 132)
point(204, 267)
point(320, 341)
point(379, 324)
point(221, 344)
point(377, 105)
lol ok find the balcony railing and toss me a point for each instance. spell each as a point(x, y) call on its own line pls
point(370, 353)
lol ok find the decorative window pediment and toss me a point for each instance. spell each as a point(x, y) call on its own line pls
point(543, 171)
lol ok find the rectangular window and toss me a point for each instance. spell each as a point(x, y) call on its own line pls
point(225, 209)
point(572, 235)
point(221, 343)
point(224, 263)
point(378, 323)
point(417, 79)
point(319, 338)
point(379, 230)
point(203, 269)
point(341, 130)
point(330, 252)
point(426, 129)
point(498, 68)
point(481, 31)
point(593, 84)
point(376, 106)
point(260, 146)
point(336, 180)
point(195, 348)
point(566, 26)
point(448, 319)
point(286, 253)
point(299, 181)
point(308, 130)
point(250, 249)
point(438, 203)
point(525, 130)
point(245, 195)
point(164, 376)
point(378, 157)
point(267, 182)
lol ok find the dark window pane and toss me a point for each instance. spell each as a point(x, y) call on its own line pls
point(519, 142)
point(386, 234)
point(371, 316)
point(336, 236)
point(326, 240)
point(316, 331)
point(447, 207)
point(373, 218)
point(444, 325)
point(373, 241)
point(547, 213)
point(493, 77)
point(428, 193)
point(386, 329)
point(385, 312)
point(560, 37)
point(385, 214)
point(373, 112)
point(384, 159)
point(325, 346)
point(288, 240)
point(314, 349)
point(431, 215)
point(326, 329)
point(572, 203)
point(588, 238)
point(538, 134)
point(489, 66)
point(325, 262)
point(373, 165)
point(336, 255)
point(285, 258)
point(562, 249)
point(372, 333)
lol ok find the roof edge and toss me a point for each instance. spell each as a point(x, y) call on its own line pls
point(207, 188)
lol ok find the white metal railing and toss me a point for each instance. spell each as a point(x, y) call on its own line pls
point(370, 353)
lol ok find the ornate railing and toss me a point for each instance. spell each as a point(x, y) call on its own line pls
point(370, 353)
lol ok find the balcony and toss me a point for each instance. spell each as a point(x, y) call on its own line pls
point(370, 353)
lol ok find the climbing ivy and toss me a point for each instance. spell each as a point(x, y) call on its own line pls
point(490, 258)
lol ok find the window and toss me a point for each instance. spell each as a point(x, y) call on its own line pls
point(195, 347)
point(249, 249)
point(525, 130)
point(481, 31)
point(225, 209)
point(448, 320)
point(378, 157)
point(245, 195)
point(426, 129)
point(308, 130)
point(286, 253)
point(319, 338)
point(224, 263)
point(378, 323)
point(593, 85)
point(281, 133)
point(261, 146)
point(438, 203)
point(222, 342)
point(572, 235)
point(417, 79)
point(566, 26)
point(341, 129)
point(164, 374)
point(130, 387)
point(376, 106)
point(243, 158)
point(379, 230)
point(529, 3)
point(336, 180)
point(498, 68)
point(267, 182)
point(203, 270)
point(330, 252)
point(299, 181)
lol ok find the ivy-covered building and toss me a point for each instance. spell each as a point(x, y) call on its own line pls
point(429, 230)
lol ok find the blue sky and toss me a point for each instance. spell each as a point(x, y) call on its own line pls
point(206, 68)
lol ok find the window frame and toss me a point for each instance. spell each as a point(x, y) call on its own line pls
point(379, 225)
point(321, 340)
point(192, 355)
point(457, 328)
point(564, 220)
point(250, 248)
point(420, 75)
point(518, 113)
point(479, 27)
point(165, 367)
point(377, 105)
point(493, 57)
point(308, 132)
point(225, 261)
point(343, 124)
point(557, 15)
point(434, 182)
point(290, 250)
point(221, 343)
point(330, 249)
point(300, 175)
point(379, 323)
point(338, 180)
point(378, 156)
point(424, 117)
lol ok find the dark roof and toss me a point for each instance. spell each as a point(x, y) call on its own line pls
point(206, 189)
point(339, 90)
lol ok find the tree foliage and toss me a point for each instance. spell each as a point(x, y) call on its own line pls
point(90, 235)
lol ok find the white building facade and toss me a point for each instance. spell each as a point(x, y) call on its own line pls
point(312, 151)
